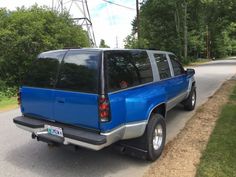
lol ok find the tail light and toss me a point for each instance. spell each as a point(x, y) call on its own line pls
point(19, 98)
point(104, 109)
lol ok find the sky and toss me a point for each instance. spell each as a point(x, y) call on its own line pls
point(110, 22)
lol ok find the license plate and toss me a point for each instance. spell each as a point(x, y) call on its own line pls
point(55, 131)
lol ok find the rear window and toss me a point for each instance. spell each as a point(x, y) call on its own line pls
point(127, 69)
point(44, 69)
point(79, 71)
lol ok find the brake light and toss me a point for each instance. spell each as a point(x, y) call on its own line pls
point(104, 109)
point(19, 98)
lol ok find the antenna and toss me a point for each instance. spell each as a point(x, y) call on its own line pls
point(80, 10)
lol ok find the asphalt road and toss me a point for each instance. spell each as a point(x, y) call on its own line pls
point(21, 156)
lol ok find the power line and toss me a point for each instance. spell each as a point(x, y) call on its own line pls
point(120, 5)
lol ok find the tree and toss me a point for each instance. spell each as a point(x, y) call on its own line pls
point(189, 27)
point(103, 44)
point(131, 42)
point(220, 15)
point(25, 33)
point(161, 26)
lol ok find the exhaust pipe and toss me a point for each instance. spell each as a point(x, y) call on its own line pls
point(33, 136)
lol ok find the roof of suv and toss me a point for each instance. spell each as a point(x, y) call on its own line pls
point(108, 49)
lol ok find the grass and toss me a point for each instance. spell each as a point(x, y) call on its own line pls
point(199, 61)
point(8, 103)
point(196, 62)
point(219, 157)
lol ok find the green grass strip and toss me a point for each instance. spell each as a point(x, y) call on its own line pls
point(6, 103)
point(219, 158)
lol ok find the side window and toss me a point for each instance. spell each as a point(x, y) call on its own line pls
point(163, 66)
point(43, 71)
point(127, 68)
point(144, 68)
point(79, 72)
point(177, 67)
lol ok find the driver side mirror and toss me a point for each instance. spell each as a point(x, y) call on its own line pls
point(190, 72)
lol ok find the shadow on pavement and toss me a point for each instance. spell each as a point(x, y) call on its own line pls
point(41, 160)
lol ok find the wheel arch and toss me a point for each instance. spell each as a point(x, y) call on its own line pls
point(194, 84)
point(160, 109)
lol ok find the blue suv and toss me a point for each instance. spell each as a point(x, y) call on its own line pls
point(94, 98)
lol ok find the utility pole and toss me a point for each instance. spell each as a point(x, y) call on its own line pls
point(207, 43)
point(52, 5)
point(61, 4)
point(185, 30)
point(138, 19)
point(117, 44)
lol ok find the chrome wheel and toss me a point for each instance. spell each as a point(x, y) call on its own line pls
point(157, 137)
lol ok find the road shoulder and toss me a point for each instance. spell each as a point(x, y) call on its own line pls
point(182, 154)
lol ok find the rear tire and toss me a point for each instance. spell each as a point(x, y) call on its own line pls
point(155, 136)
point(190, 102)
point(143, 147)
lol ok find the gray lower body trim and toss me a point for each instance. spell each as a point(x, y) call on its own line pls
point(191, 81)
point(174, 101)
point(127, 131)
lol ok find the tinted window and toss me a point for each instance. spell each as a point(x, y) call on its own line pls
point(127, 69)
point(79, 71)
point(177, 67)
point(163, 66)
point(43, 71)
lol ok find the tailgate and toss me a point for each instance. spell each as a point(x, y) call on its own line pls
point(79, 109)
point(37, 102)
point(74, 108)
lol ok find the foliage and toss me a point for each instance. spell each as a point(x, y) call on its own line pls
point(5, 91)
point(103, 44)
point(132, 42)
point(25, 33)
point(162, 27)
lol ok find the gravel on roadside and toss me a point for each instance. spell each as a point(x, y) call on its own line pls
point(182, 154)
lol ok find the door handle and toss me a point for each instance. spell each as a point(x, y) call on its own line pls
point(60, 100)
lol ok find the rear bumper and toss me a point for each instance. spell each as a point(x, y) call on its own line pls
point(72, 135)
point(80, 137)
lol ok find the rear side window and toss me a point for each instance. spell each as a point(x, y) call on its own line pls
point(163, 66)
point(79, 71)
point(177, 67)
point(127, 69)
point(43, 71)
